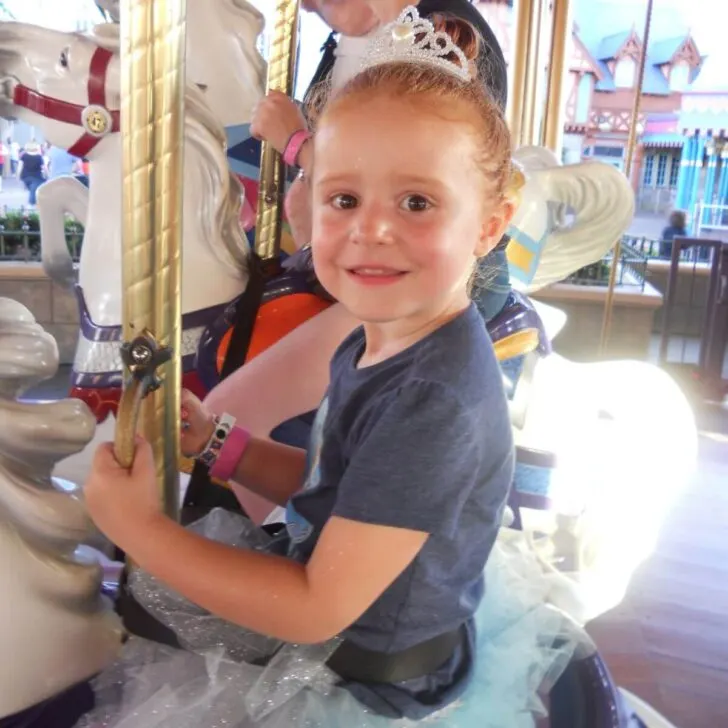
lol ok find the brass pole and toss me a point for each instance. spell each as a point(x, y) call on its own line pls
point(553, 128)
point(525, 72)
point(281, 71)
point(631, 145)
point(152, 130)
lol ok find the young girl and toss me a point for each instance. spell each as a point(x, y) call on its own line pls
point(392, 513)
point(293, 375)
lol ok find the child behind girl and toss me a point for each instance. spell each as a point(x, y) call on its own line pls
point(394, 510)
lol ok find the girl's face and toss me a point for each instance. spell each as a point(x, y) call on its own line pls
point(400, 211)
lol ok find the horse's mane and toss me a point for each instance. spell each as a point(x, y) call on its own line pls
point(255, 22)
point(206, 135)
point(237, 9)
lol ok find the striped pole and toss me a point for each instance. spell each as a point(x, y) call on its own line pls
point(723, 182)
point(709, 188)
point(696, 175)
point(684, 175)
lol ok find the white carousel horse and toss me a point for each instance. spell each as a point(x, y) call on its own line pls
point(47, 83)
point(56, 629)
point(230, 73)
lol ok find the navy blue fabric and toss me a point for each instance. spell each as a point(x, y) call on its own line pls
point(63, 711)
point(668, 235)
point(421, 441)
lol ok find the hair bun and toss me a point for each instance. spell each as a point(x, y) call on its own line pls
point(462, 33)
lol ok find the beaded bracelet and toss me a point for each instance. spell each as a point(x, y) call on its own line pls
point(223, 426)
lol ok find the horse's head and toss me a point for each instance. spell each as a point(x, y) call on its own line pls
point(544, 249)
point(65, 84)
point(222, 54)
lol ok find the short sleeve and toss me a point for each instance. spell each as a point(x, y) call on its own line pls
point(416, 465)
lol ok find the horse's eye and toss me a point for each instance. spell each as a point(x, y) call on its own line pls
point(63, 60)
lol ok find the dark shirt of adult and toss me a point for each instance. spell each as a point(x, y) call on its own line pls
point(33, 165)
point(676, 229)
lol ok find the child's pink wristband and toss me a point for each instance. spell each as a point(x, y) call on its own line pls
point(235, 445)
point(293, 147)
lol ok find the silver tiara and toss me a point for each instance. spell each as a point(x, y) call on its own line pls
point(412, 39)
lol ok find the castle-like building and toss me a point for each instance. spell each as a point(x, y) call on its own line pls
point(682, 156)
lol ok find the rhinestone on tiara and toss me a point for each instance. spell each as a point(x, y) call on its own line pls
point(412, 39)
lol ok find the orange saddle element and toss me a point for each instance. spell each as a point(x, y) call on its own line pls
point(276, 319)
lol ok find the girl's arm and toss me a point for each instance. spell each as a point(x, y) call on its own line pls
point(271, 470)
point(352, 565)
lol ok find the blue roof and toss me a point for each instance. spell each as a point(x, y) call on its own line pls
point(607, 82)
point(609, 46)
point(662, 51)
point(655, 82)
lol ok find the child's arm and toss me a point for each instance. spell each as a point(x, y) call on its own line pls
point(352, 565)
point(271, 470)
point(268, 469)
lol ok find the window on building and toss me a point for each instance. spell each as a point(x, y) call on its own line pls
point(583, 99)
point(661, 170)
point(674, 171)
point(679, 77)
point(604, 151)
point(624, 73)
point(649, 170)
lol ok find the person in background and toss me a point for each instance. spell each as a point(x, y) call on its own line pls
point(32, 171)
point(4, 158)
point(60, 162)
point(676, 229)
point(14, 148)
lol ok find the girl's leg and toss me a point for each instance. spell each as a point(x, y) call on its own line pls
point(283, 382)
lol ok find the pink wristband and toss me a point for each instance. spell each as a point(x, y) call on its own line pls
point(293, 148)
point(235, 445)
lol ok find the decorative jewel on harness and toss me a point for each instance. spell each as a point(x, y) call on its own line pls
point(96, 120)
point(411, 39)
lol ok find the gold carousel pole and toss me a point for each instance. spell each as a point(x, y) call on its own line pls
point(553, 127)
point(522, 110)
point(281, 71)
point(631, 145)
point(152, 130)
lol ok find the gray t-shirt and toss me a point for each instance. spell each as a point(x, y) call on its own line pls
point(421, 441)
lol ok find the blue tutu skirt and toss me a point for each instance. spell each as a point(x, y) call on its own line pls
point(523, 646)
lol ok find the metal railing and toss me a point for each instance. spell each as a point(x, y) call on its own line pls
point(20, 239)
point(631, 271)
point(656, 249)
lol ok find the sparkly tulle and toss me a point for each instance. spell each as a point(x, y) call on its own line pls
point(523, 647)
